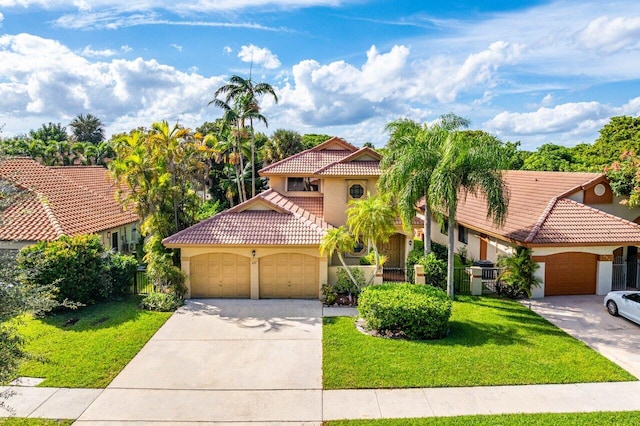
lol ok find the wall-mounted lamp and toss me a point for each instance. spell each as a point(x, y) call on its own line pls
point(410, 243)
point(108, 234)
point(253, 253)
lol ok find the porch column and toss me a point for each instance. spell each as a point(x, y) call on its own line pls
point(185, 264)
point(476, 280)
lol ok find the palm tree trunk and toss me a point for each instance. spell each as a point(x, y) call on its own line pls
point(450, 256)
point(346, 268)
point(427, 225)
point(253, 160)
point(377, 260)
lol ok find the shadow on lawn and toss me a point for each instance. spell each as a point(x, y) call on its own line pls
point(95, 317)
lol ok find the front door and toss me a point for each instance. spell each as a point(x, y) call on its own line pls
point(114, 241)
point(393, 249)
point(632, 266)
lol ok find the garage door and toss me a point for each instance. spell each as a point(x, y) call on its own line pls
point(289, 275)
point(570, 273)
point(220, 275)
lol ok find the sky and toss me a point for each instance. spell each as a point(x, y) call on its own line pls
point(530, 71)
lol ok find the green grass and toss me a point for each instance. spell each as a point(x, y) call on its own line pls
point(630, 418)
point(21, 421)
point(92, 351)
point(491, 342)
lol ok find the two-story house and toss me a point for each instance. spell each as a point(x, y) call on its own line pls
point(268, 246)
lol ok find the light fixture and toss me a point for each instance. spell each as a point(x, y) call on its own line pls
point(410, 243)
point(253, 253)
point(108, 234)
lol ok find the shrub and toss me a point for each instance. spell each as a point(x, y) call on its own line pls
point(344, 285)
point(72, 264)
point(518, 276)
point(163, 302)
point(435, 271)
point(329, 295)
point(118, 274)
point(370, 259)
point(417, 311)
point(417, 253)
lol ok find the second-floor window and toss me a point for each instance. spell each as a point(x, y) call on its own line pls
point(303, 184)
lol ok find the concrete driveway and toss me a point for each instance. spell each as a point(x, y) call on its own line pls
point(222, 361)
point(585, 318)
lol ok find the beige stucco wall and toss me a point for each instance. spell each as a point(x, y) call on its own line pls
point(336, 197)
point(260, 251)
point(368, 271)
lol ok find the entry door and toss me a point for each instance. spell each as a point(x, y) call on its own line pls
point(483, 249)
point(393, 249)
point(632, 266)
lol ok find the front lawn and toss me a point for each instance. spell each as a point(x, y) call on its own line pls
point(491, 342)
point(630, 418)
point(22, 421)
point(88, 347)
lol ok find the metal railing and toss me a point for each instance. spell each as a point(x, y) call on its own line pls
point(141, 282)
point(462, 280)
point(394, 274)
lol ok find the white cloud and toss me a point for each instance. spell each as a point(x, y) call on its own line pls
point(611, 34)
point(124, 93)
point(227, 50)
point(1, 18)
point(174, 6)
point(259, 55)
point(89, 52)
point(177, 47)
point(126, 48)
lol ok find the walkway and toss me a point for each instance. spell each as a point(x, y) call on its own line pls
point(225, 363)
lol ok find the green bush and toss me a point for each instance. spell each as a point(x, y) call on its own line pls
point(419, 312)
point(344, 285)
point(417, 253)
point(118, 274)
point(435, 271)
point(162, 302)
point(73, 264)
point(518, 276)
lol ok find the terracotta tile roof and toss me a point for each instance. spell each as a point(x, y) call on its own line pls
point(93, 178)
point(54, 204)
point(569, 222)
point(278, 221)
point(532, 198)
point(314, 205)
point(334, 157)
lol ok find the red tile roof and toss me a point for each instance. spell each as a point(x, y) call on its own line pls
point(54, 204)
point(538, 207)
point(334, 157)
point(278, 221)
point(569, 222)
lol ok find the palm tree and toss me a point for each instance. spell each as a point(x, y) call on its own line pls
point(372, 221)
point(339, 240)
point(245, 93)
point(282, 144)
point(87, 128)
point(413, 151)
point(471, 164)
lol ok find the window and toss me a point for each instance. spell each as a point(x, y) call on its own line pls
point(356, 191)
point(463, 234)
point(444, 226)
point(358, 250)
point(303, 184)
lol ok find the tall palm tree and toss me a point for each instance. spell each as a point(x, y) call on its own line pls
point(282, 144)
point(372, 220)
point(413, 151)
point(471, 164)
point(87, 128)
point(247, 94)
point(339, 240)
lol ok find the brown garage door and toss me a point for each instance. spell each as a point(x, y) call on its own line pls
point(289, 276)
point(570, 273)
point(220, 275)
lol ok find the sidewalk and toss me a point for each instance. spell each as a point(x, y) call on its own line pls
point(58, 403)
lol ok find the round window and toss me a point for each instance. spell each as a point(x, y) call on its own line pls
point(356, 191)
point(358, 248)
point(599, 190)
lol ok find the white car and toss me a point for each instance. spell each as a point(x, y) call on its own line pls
point(624, 303)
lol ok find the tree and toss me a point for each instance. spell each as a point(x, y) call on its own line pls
point(49, 132)
point(339, 240)
point(87, 128)
point(246, 97)
point(624, 178)
point(550, 157)
point(372, 220)
point(518, 275)
point(470, 165)
point(309, 140)
point(282, 144)
point(412, 153)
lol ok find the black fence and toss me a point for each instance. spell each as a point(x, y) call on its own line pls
point(141, 282)
point(397, 275)
point(462, 280)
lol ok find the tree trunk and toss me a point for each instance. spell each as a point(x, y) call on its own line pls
point(427, 225)
point(346, 268)
point(253, 160)
point(377, 260)
point(450, 256)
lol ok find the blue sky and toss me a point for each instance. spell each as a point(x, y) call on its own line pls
point(529, 71)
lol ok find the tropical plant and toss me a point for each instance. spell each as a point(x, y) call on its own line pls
point(624, 178)
point(471, 163)
point(338, 241)
point(49, 132)
point(344, 284)
point(87, 128)
point(518, 274)
point(413, 152)
point(282, 144)
point(435, 271)
point(245, 96)
point(372, 221)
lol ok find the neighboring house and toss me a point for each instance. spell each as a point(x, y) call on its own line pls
point(584, 240)
point(56, 201)
point(268, 246)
